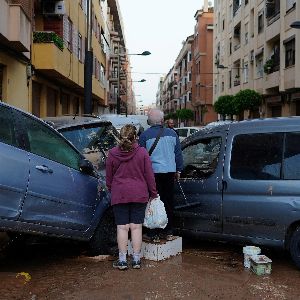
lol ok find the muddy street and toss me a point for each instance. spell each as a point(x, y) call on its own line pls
point(61, 270)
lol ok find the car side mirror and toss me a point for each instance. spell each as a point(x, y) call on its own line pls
point(86, 166)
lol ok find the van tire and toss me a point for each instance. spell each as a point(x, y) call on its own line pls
point(295, 247)
point(104, 239)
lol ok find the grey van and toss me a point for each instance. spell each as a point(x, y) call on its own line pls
point(241, 182)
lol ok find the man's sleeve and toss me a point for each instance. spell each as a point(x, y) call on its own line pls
point(178, 155)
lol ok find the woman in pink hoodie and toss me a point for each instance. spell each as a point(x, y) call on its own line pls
point(130, 179)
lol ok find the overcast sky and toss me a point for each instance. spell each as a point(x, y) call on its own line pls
point(158, 26)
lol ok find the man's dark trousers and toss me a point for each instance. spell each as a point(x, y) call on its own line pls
point(165, 189)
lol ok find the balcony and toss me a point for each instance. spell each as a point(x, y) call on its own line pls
point(15, 27)
point(272, 80)
point(49, 59)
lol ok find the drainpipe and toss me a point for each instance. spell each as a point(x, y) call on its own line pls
point(88, 64)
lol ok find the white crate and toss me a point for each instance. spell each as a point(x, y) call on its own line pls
point(159, 251)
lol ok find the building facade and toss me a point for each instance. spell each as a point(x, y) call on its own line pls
point(202, 70)
point(189, 83)
point(42, 52)
point(255, 48)
point(183, 75)
point(15, 43)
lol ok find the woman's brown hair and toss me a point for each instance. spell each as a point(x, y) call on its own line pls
point(127, 137)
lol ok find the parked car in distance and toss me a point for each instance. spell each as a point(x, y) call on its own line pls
point(184, 132)
point(241, 182)
point(47, 186)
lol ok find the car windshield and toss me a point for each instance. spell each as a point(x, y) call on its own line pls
point(92, 140)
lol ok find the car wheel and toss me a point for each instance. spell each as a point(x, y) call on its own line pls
point(295, 247)
point(104, 239)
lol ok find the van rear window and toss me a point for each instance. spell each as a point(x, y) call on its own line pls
point(257, 156)
point(266, 156)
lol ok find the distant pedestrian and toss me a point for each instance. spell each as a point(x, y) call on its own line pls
point(130, 179)
point(166, 157)
point(170, 123)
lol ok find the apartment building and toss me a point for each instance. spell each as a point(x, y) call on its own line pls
point(189, 83)
point(202, 70)
point(255, 48)
point(15, 42)
point(183, 67)
point(168, 93)
point(58, 55)
point(42, 57)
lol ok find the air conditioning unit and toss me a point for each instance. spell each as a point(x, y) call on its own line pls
point(53, 8)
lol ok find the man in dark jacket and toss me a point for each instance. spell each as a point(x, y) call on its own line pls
point(166, 161)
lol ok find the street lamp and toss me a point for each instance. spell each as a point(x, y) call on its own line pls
point(144, 53)
point(142, 80)
point(295, 25)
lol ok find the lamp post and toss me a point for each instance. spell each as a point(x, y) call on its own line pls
point(126, 108)
point(144, 53)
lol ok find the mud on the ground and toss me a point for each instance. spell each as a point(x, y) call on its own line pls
point(59, 270)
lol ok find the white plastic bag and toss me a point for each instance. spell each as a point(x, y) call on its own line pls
point(155, 215)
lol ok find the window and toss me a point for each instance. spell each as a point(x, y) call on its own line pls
point(290, 53)
point(246, 72)
point(291, 161)
point(246, 33)
point(290, 4)
point(7, 129)
point(190, 76)
point(246, 2)
point(47, 143)
point(69, 34)
point(257, 156)
point(200, 160)
point(259, 66)
point(260, 21)
point(102, 73)
point(230, 79)
point(79, 50)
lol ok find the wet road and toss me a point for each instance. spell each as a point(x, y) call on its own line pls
point(60, 270)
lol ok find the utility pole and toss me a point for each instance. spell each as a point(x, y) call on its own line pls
point(88, 63)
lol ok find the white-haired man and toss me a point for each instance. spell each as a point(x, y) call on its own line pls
point(166, 158)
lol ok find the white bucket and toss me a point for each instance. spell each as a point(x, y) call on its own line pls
point(248, 252)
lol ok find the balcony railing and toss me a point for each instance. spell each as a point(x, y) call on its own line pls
point(48, 37)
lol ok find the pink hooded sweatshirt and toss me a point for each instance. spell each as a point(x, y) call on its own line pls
point(129, 175)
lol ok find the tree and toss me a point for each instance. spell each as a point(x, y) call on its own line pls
point(171, 116)
point(225, 106)
point(185, 114)
point(247, 100)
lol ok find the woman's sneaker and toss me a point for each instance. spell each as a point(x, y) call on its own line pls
point(136, 264)
point(121, 265)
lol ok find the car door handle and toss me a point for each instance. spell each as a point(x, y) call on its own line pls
point(44, 169)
